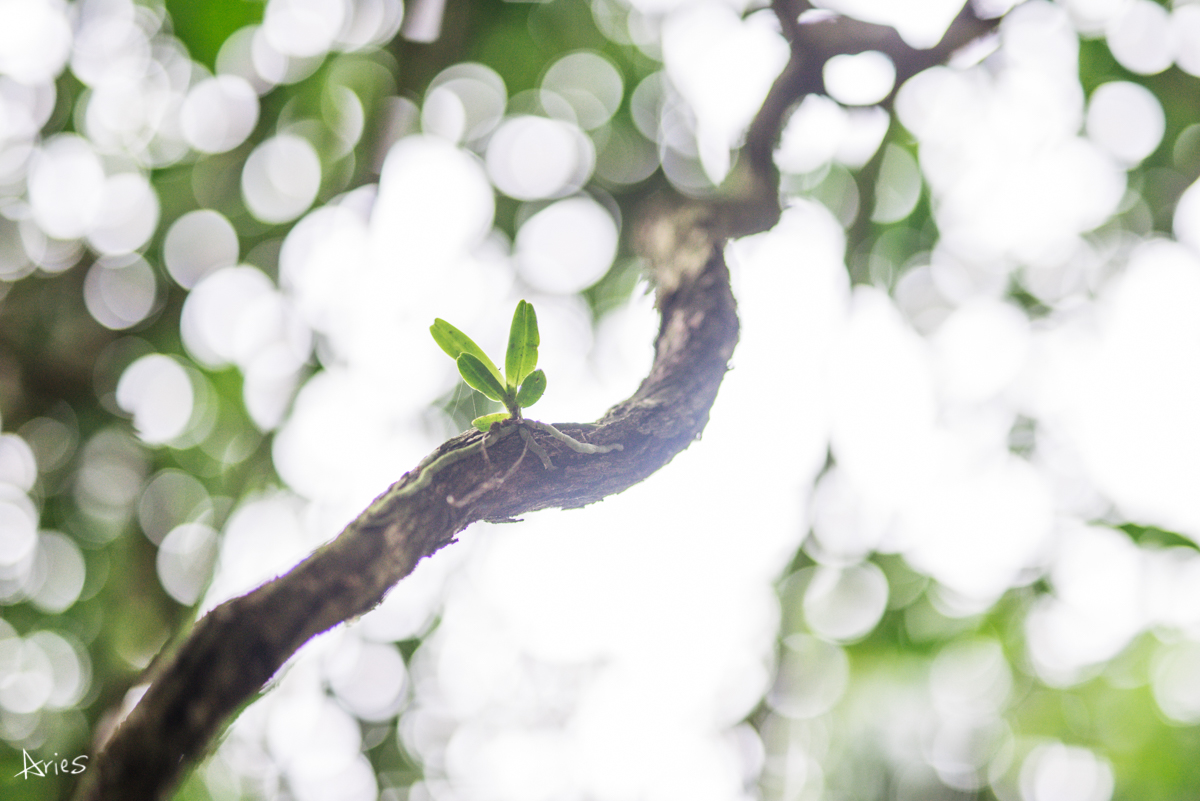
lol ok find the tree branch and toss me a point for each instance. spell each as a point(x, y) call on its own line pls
point(815, 42)
point(235, 649)
point(232, 652)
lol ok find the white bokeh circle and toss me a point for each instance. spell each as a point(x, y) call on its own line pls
point(566, 247)
point(281, 178)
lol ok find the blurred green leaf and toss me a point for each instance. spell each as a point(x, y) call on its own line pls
point(1154, 536)
point(204, 26)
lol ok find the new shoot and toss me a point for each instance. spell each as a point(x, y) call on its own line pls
point(522, 383)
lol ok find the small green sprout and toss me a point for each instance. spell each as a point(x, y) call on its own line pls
point(522, 385)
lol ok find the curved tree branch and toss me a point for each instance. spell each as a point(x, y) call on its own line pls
point(235, 649)
point(232, 652)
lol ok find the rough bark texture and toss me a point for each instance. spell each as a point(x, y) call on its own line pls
point(235, 650)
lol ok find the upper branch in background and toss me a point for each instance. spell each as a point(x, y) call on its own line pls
point(815, 40)
point(235, 650)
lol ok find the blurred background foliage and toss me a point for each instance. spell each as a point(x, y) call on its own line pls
point(148, 148)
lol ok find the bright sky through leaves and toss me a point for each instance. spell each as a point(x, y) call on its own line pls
point(629, 642)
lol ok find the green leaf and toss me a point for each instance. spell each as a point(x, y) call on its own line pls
point(478, 376)
point(455, 343)
point(523, 341)
point(532, 389)
point(488, 420)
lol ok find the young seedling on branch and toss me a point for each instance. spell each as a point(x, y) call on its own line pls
point(522, 383)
